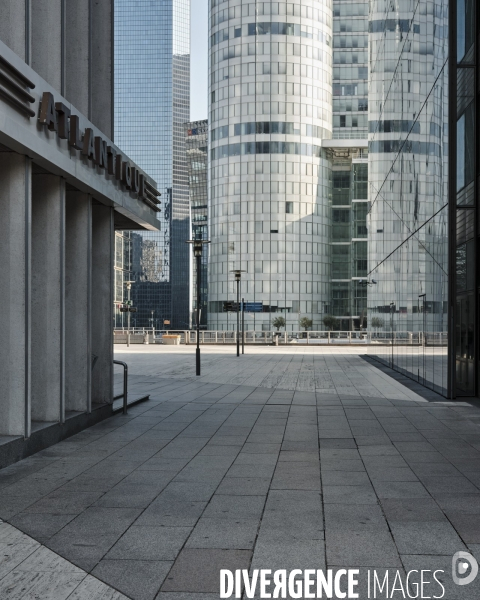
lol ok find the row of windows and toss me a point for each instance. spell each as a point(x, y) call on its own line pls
point(243, 109)
point(405, 146)
point(261, 167)
point(276, 286)
point(350, 41)
point(350, 120)
point(349, 58)
point(278, 88)
point(268, 127)
point(350, 105)
point(351, 89)
point(244, 148)
point(273, 48)
point(268, 267)
point(265, 187)
point(280, 228)
point(269, 8)
point(405, 126)
point(350, 72)
point(269, 247)
point(353, 9)
point(270, 28)
point(251, 69)
point(293, 306)
point(259, 207)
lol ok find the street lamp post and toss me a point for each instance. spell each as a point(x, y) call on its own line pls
point(424, 297)
point(197, 252)
point(238, 276)
point(129, 287)
point(392, 308)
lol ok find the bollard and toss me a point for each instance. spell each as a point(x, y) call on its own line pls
point(145, 338)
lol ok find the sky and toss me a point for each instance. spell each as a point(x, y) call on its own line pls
point(199, 60)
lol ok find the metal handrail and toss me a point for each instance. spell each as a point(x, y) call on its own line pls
point(125, 383)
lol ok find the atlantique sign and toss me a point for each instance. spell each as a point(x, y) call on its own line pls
point(56, 116)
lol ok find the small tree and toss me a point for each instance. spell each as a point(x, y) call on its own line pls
point(330, 322)
point(279, 322)
point(377, 322)
point(306, 323)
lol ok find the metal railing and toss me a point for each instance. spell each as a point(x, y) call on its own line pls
point(385, 338)
point(125, 384)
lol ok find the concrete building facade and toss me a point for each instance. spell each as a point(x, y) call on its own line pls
point(64, 189)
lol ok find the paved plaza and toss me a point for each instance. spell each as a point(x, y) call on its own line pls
point(285, 458)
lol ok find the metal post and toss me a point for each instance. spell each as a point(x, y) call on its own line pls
point(125, 383)
point(243, 325)
point(129, 286)
point(238, 316)
point(199, 276)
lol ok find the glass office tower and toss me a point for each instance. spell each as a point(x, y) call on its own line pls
point(408, 185)
point(270, 108)
point(196, 140)
point(152, 103)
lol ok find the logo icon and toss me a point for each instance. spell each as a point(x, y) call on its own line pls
point(462, 563)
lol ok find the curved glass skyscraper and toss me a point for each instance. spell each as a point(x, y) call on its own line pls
point(270, 109)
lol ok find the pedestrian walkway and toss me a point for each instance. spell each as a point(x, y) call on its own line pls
point(308, 459)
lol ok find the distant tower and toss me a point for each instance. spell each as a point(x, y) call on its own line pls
point(152, 103)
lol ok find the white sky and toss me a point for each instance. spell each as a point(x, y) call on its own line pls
point(199, 60)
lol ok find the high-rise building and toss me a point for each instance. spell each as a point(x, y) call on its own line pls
point(196, 141)
point(270, 108)
point(408, 184)
point(152, 103)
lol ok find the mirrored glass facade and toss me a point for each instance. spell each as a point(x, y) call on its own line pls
point(196, 141)
point(408, 187)
point(270, 108)
point(465, 229)
point(152, 104)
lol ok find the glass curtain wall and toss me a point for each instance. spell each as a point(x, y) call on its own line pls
point(270, 108)
point(122, 273)
point(349, 205)
point(408, 187)
point(465, 231)
point(151, 105)
point(196, 140)
point(350, 69)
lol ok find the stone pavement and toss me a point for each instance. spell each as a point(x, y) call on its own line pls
point(244, 468)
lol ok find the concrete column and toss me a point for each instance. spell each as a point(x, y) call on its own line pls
point(78, 257)
point(13, 26)
point(101, 77)
point(15, 224)
point(48, 298)
point(102, 303)
point(77, 54)
point(47, 18)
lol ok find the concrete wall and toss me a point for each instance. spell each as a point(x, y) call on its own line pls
point(15, 222)
point(46, 19)
point(101, 76)
point(102, 303)
point(77, 54)
point(48, 307)
point(13, 31)
point(78, 257)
